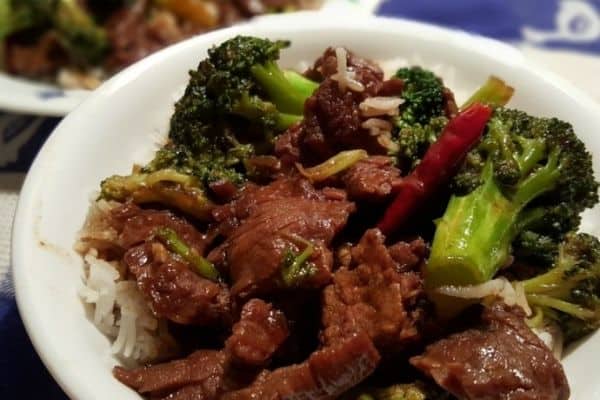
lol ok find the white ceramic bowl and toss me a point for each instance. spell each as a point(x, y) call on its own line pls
point(38, 98)
point(119, 122)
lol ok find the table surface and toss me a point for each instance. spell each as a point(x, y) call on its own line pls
point(563, 36)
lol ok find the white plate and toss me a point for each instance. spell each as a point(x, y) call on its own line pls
point(36, 98)
point(119, 122)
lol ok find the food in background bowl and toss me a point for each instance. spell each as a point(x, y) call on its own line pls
point(78, 43)
point(281, 243)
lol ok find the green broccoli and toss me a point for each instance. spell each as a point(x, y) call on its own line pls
point(568, 294)
point(165, 186)
point(239, 91)
point(422, 115)
point(527, 174)
point(86, 43)
point(423, 94)
point(236, 101)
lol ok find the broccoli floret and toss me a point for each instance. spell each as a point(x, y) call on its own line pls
point(530, 171)
point(568, 294)
point(423, 94)
point(422, 116)
point(218, 164)
point(239, 92)
point(85, 41)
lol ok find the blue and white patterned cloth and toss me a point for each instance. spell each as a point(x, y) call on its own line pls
point(552, 25)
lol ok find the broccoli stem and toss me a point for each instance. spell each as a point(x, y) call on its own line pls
point(174, 243)
point(472, 239)
point(288, 96)
point(284, 121)
point(560, 305)
point(493, 92)
point(253, 107)
point(303, 85)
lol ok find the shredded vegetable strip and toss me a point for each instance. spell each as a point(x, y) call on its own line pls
point(341, 161)
point(174, 243)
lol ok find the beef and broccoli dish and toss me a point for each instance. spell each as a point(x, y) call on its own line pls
point(78, 43)
point(338, 233)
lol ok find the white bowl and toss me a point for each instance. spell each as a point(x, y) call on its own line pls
point(119, 123)
point(37, 98)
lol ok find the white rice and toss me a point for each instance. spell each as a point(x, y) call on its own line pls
point(380, 106)
point(345, 76)
point(119, 309)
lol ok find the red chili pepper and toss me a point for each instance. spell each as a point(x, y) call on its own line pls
point(438, 164)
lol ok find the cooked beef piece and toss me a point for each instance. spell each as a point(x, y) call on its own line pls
point(332, 118)
point(333, 122)
point(34, 60)
point(374, 298)
point(267, 224)
point(251, 197)
point(409, 255)
point(287, 146)
point(391, 87)
point(173, 290)
point(139, 225)
point(224, 190)
point(200, 376)
point(503, 359)
point(450, 107)
point(257, 335)
point(326, 374)
point(366, 71)
point(373, 179)
point(256, 250)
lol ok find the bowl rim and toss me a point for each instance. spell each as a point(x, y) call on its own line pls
point(26, 205)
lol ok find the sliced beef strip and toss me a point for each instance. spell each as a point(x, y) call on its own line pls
point(201, 374)
point(374, 297)
point(503, 359)
point(256, 249)
point(266, 223)
point(373, 179)
point(326, 374)
point(139, 225)
point(205, 374)
point(173, 290)
point(258, 334)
